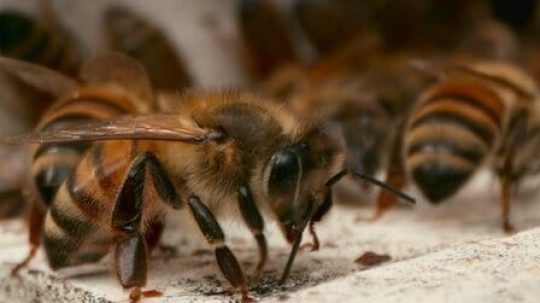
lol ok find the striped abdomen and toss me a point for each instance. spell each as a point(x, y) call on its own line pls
point(75, 232)
point(24, 39)
point(78, 226)
point(129, 33)
point(452, 130)
point(53, 163)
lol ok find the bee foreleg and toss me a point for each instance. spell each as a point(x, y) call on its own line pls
point(213, 233)
point(254, 220)
point(317, 217)
point(162, 182)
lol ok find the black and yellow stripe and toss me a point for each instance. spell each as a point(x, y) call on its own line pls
point(25, 39)
point(78, 225)
point(454, 127)
point(74, 227)
point(53, 163)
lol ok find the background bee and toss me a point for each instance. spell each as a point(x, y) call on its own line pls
point(334, 89)
point(127, 32)
point(330, 25)
point(42, 42)
point(27, 39)
point(459, 123)
point(266, 38)
point(219, 153)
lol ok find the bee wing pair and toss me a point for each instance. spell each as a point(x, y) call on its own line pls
point(143, 127)
point(138, 126)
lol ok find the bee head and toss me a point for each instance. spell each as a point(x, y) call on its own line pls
point(297, 182)
point(295, 177)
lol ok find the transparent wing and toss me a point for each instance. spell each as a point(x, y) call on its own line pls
point(39, 77)
point(126, 127)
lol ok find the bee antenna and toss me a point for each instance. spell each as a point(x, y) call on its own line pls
point(296, 244)
point(372, 180)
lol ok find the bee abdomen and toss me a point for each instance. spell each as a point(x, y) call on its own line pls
point(451, 132)
point(53, 163)
point(71, 219)
point(24, 39)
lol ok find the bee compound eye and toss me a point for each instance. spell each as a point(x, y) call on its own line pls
point(284, 174)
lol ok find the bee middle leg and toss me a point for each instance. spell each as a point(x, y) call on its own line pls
point(213, 233)
point(252, 217)
point(153, 239)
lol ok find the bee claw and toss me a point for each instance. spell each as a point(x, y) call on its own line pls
point(135, 295)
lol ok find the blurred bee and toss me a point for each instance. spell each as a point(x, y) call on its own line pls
point(116, 174)
point(346, 86)
point(331, 24)
point(346, 103)
point(27, 39)
point(38, 40)
point(366, 104)
point(459, 123)
point(43, 43)
point(266, 37)
point(519, 14)
point(127, 32)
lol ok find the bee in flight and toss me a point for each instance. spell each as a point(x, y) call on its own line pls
point(108, 167)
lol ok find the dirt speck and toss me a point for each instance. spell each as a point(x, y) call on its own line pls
point(152, 293)
point(370, 258)
point(283, 297)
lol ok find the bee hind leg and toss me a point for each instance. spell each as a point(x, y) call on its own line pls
point(213, 233)
point(35, 229)
point(252, 217)
point(153, 239)
point(131, 251)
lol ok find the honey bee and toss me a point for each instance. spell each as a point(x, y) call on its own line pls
point(519, 15)
point(346, 86)
point(42, 41)
point(346, 103)
point(266, 37)
point(27, 39)
point(127, 32)
point(124, 166)
point(459, 123)
point(331, 24)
